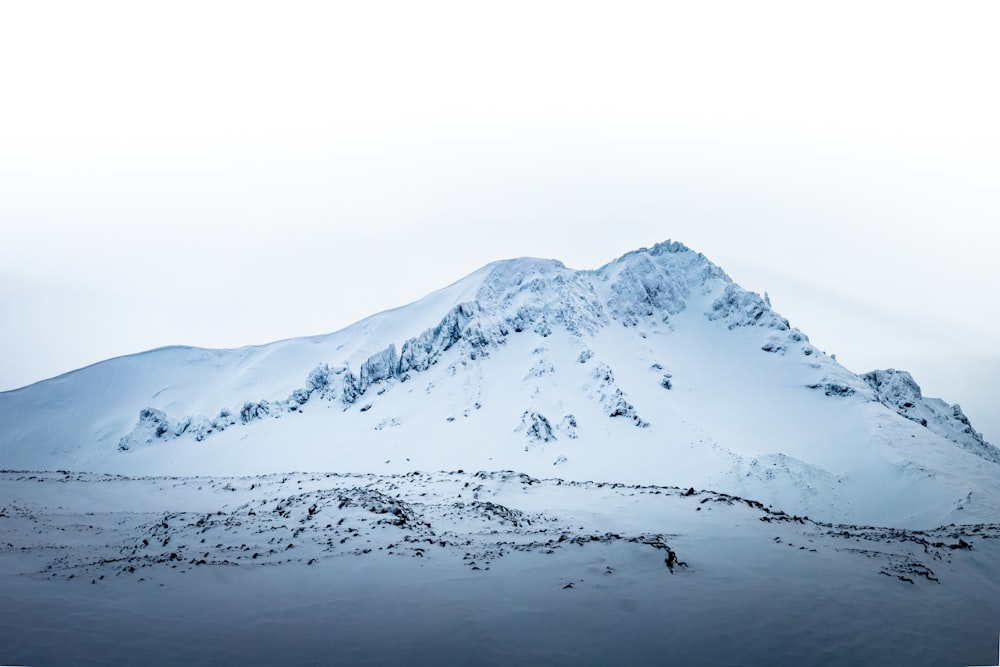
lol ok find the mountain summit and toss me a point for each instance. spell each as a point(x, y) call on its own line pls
point(656, 368)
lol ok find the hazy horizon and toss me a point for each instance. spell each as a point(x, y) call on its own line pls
point(236, 175)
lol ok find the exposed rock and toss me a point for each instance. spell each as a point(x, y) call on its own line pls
point(898, 391)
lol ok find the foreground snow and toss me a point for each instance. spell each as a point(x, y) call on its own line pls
point(488, 567)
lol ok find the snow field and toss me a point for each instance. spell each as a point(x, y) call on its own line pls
point(490, 567)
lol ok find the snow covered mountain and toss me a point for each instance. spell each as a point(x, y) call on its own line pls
point(653, 369)
point(632, 464)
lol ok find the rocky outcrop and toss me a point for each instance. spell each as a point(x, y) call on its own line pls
point(898, 391)
point(612, 399)
point(737, 307)
point(536, 427)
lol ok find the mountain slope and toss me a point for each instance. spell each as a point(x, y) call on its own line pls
point(655, 369)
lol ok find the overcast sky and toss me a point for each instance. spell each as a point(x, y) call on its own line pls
point(223, 174)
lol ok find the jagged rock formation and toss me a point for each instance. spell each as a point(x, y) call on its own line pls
point(898, 391)
point(536, 427)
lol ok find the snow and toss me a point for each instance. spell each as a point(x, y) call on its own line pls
point(610, 393)
point(482, 567)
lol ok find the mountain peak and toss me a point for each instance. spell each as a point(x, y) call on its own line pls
point(646, 283)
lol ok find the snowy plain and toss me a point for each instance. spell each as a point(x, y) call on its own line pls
point(460, 568)
point(692, 480)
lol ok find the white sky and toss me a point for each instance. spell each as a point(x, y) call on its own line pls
point(222, 174)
